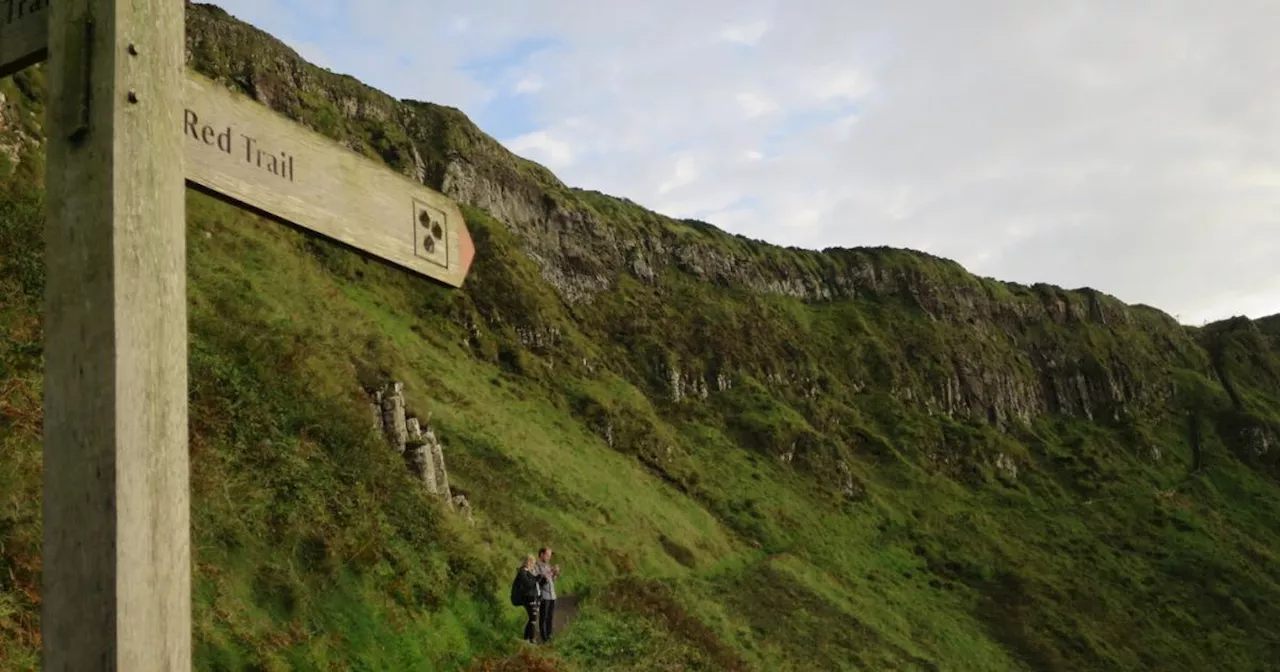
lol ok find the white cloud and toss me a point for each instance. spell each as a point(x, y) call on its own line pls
point(684, 174)
point(836, 84)
point(754, 105)
point(842, 128)
point(543, 147)
point(1134, 148)
point(804, 218)
point(748, 34)
point(529, 84)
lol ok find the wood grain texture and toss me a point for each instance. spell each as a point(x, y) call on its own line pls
point(232, 141)
point(24, 34)
point(117, 567)
point(247, 153)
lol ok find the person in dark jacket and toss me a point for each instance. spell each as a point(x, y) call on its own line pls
point(527, 586)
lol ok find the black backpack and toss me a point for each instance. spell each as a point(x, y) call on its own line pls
point(517, 600)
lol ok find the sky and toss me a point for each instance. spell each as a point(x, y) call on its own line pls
point(1132, 147)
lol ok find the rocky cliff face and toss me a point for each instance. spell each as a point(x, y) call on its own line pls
point(760, 412)
point(1010, 353)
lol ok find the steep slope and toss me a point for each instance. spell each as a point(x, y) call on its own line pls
point(747, 457)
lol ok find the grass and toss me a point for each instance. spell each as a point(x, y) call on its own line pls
point(839, 498)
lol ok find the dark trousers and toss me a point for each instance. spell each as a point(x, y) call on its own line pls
point(545, 616)
point(531, 627)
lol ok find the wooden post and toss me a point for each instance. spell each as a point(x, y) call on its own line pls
point(242, 152)
point(117, 572)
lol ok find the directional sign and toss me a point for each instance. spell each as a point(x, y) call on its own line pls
point(116, 592)
point(24, 34)
point(241, 151)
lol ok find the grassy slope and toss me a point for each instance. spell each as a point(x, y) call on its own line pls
point(693, 545)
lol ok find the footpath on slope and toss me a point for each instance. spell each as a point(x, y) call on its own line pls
point(566, 612)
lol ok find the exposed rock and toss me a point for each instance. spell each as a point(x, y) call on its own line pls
point(349, 107)
point(538, 338)
point(1000, 365)
point(1007, 466)
point(419, 167)
point(12, 139)
point(393, 420)
point(463, 507)
point(414, 439)
point(11, 152)
point(1257, 440)
point(723, 382)
point(641, 268)
point(850, 486)
point(418, 459)
point(682, 385)
point(437, 461)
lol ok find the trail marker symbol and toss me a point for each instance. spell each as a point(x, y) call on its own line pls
point(243, 152)
point(129, 127)
point(432, 234)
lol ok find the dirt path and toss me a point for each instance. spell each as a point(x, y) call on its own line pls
point(566, 612)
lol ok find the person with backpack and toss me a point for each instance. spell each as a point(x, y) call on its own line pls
point(524, 593)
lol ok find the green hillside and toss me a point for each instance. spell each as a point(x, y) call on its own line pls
point(747, 457)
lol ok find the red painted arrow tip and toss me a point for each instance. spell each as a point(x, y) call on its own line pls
point(467, 248)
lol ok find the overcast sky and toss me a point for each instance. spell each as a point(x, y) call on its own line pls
point(1133, 147)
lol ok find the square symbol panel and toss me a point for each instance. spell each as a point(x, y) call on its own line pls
point(430, 234)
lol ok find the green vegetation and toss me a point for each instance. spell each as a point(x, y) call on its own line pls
point(807, 503)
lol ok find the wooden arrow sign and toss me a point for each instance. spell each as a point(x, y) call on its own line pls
point(24, 34)
point(116, 586)
point(241, 151)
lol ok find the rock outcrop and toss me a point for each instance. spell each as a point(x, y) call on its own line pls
point(1257, 440)
point(394, 423)
point(414, 439)
point(1010, 353)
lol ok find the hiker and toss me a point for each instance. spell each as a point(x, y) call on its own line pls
point(524, 592)
point(547, 574)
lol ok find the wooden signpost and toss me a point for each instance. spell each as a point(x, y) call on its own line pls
point(128, 128)
point(24, 34)
point(240, 150)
